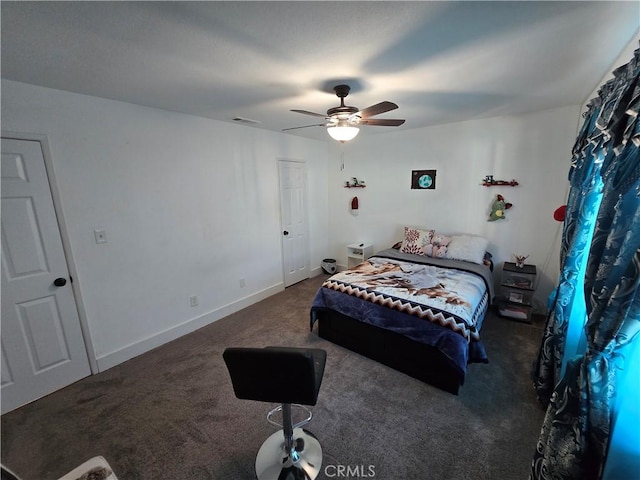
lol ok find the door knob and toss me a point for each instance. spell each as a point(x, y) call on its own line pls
point(285, 232)
point(60, 282)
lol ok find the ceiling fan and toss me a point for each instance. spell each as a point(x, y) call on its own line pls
point(343, 122)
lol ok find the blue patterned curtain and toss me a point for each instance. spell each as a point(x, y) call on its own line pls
point(565, 306)
point(575, 434)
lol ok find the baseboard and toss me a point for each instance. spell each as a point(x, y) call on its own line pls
point(314, 272)
point(142, 346)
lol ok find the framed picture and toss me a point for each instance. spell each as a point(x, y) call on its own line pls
point(423, 179)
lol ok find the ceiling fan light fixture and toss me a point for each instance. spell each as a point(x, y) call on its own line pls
point(343, 122)
point(343, 133)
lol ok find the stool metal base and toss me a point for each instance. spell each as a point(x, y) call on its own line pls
point(274, 463)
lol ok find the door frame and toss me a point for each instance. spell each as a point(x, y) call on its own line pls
point(306, 213)
point(66, 244)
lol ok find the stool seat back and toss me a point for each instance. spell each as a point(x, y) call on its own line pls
point(276, 374)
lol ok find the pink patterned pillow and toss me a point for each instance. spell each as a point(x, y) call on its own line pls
point(415, 240)
point(438, 246)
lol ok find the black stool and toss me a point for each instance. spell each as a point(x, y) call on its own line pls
point(292, 377)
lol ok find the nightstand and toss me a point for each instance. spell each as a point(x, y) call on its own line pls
point(517, 286)
point(358, 253)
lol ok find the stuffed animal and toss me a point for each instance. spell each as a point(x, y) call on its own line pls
point(498, 209)
point(520, 260)
point(438, 246)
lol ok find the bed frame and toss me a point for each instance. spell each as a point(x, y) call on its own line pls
point(400, 352)
point(395, 350)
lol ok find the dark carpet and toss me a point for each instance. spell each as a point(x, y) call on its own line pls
point(171, 413)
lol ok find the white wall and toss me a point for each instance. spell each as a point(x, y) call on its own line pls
point(534, 149)
point(625, 56)
point(190, 206)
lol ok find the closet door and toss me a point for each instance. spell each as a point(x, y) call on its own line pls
point(293, 214)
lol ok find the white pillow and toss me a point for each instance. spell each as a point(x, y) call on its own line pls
point(469, 248)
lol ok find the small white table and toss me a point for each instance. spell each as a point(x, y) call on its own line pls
point(358, 253)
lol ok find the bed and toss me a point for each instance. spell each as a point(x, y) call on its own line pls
point(418, 314)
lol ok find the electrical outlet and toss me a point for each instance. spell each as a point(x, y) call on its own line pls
point(193, 300)
point(100, 235)
point(242, 283)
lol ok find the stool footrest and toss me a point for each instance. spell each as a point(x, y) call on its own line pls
point(293, 425)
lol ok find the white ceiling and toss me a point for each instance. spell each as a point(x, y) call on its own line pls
point(441, 62)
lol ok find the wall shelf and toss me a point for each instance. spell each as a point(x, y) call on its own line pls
point(354, 183)
point(500, 183)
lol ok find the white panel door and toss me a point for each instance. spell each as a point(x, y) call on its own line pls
point(42, 344)
point(293, 212)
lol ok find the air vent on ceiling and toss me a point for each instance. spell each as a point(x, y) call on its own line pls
point(245, 120)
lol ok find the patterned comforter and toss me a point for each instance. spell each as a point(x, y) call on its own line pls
point(434, 301)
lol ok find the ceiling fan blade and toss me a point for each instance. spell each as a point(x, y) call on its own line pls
point(305, 112)
point(377, 109)
point(383, 122)
point(304, 126)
